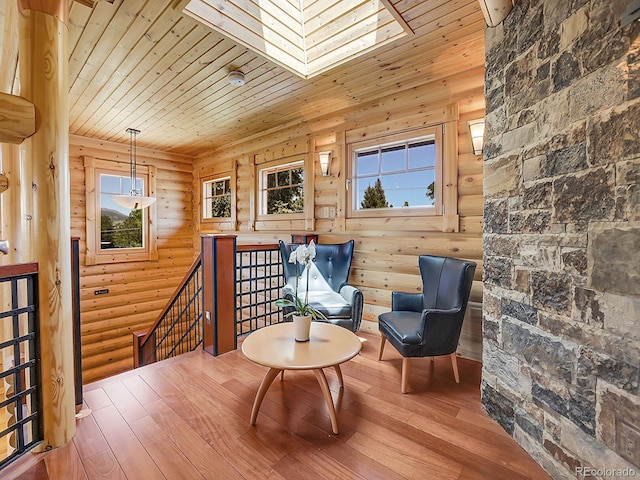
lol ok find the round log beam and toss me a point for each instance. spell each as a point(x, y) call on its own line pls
point(17, 118)
point(495, 11)
point(43, 63)
point(4, 183)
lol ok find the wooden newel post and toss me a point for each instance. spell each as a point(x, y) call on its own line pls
point(219, 293)
point(143, 354)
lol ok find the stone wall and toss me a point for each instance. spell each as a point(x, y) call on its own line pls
point(561, 312)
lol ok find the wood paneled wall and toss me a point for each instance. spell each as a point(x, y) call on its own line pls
point(137, 290)
point(386, 253)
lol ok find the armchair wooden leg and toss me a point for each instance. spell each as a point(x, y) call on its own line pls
point(405, 374)
point(383, 339)
point(454, 362)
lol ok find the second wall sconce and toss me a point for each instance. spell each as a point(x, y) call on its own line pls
point(325, 162)
point(476, 128)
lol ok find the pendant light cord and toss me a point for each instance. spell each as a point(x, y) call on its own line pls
point(133, 156)
point(136, 200)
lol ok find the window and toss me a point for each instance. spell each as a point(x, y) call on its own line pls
point(282, 195)
point(216, 198)
point(114, 233)
point(120, 228)
point(282, 189)
point(397, 175)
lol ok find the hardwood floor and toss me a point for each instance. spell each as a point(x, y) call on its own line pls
point(188, 418)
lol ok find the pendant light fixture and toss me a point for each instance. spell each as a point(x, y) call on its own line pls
point(135, 200)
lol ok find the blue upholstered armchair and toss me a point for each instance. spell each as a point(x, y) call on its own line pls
point(329, 291)
point(428, 324)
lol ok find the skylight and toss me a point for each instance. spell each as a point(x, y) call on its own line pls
point(306, 37)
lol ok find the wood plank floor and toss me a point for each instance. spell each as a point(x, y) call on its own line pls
point(188, 418)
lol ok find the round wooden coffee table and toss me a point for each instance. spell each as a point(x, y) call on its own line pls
point(275, 347)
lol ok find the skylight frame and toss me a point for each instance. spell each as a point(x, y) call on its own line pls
point(352, 28)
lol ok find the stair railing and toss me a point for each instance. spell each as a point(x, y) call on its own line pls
point(228, 291)
point(259, 283)
point(178, 328)
point(21, 421)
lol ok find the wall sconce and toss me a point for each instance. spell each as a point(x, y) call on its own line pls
point(325, 162)
point(476, 128)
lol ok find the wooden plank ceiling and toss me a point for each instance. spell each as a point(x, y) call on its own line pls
point(146, 65)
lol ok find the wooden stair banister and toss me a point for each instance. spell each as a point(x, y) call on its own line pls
point(256, 247)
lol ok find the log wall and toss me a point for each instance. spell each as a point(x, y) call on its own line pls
point(137, 290)
point(386, 251)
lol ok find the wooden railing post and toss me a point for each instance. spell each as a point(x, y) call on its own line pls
point(138, 336)
point(304, 238)
point(143, 354)
point(219, 293)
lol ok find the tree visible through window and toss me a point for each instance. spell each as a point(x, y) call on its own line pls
point(119, 227)
point(283, 189)
point(396, 176)
point(217, 198)
point(374, 197)
point(116, 234)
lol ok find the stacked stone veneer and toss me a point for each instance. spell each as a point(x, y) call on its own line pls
point(561, 305)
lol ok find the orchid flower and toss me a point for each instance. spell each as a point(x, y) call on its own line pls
point(303, 255)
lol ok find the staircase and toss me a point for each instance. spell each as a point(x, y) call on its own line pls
point(227, 292)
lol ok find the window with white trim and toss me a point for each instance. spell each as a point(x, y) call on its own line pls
point(216, 198)
point(397, 175)
point(282, 189)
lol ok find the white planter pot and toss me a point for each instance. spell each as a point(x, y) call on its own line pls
point(301, 327)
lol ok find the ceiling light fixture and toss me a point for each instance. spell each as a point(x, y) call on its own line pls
point(135, 200)
point(236, 78)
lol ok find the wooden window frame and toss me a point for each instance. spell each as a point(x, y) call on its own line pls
point(445, 215)
point(263, 190)
point(220, 223)
point(293, 221)
point(94, 167)
point(399, 138)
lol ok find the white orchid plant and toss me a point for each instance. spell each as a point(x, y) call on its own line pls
point(302, 255)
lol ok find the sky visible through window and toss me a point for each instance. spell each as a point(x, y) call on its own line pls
point(405, 171)
point(116, 185)
point(120, 227)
